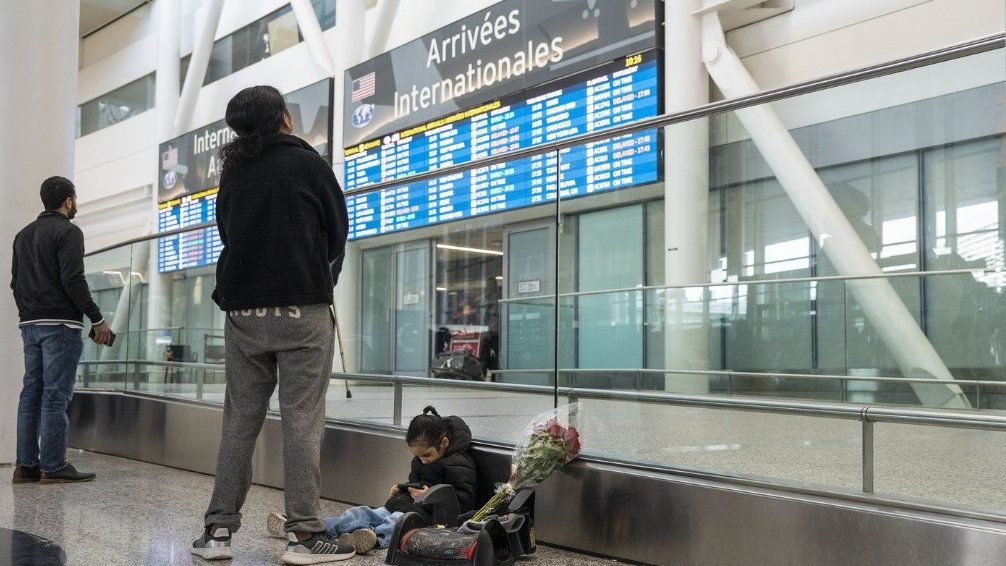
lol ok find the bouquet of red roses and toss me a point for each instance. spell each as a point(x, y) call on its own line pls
point(551, 442)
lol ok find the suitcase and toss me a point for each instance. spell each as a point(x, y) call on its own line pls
point(458, 364)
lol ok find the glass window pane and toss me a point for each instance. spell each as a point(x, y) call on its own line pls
point(376, 312)
point(220, 60)
point(965, 185)
point(610, 256)
point(239, 49)
point(879, 199)
point(412, 311)
point(283, 31)
point(325, 10)
point(118, 105)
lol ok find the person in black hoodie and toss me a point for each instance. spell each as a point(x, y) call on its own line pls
point(440, 450)
point(282, 219)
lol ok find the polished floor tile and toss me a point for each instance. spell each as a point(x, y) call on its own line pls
point(138, 513)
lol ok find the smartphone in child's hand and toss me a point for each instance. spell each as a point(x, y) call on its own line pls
point(404, 487)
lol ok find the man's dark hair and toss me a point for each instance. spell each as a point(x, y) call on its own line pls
point(55, 191)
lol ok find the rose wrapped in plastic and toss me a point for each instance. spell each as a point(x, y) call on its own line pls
point(552, 441)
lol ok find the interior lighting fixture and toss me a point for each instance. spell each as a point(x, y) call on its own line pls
point(472, 250)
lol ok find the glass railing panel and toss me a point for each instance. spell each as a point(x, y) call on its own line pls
point(112, 282)
point(788, 448)
point(187, 381)
point(941, 465)
point(492, 415)
point(762, 339)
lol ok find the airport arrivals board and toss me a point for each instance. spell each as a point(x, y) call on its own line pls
point(622, 91)
point(188, 249)
point(189, 175)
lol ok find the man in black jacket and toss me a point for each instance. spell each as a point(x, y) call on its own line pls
point(47, 277)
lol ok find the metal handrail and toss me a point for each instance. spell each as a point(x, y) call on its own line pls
point(973, 47)
point(159, 363)
point(140, 239)
point(762, 375)
point(742, 283)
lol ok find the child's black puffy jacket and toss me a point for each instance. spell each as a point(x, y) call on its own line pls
point(456, 467)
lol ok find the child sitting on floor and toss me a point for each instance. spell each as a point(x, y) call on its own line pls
point(440, 449)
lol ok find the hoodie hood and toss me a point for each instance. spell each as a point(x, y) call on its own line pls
point(459, 434)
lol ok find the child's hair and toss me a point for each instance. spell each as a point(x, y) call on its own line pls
point(426, 429)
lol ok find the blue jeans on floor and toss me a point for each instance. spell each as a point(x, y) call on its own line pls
point(51, 354)
point(380, 520)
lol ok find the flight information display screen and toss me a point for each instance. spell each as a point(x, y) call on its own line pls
point(619, 92)
point(190, 174)
point(190, 249)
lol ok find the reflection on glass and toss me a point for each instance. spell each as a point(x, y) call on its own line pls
point(376, 313)
point(114, 107)
point(469, 279)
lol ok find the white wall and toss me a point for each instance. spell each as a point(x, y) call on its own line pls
point(132, 27)
point(821, 37)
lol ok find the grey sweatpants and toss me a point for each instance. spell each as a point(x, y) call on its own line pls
point(296, 344)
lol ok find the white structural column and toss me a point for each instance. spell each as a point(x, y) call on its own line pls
point(197, 66)
point(894, 324)
point(307, 20)
point(169, 25)
point(38, 87)
point(686, 201)
point(350, 32)
point(350, 38)
point(377, 43)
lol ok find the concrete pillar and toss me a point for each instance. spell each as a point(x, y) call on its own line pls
point(686, 200)
point(197, 66)
point(38, 86)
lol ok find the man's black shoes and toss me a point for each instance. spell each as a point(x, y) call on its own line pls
point(24, 474)
point(67, 474)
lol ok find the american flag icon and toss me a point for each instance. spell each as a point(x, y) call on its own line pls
point(364, 86)
point(169, 159)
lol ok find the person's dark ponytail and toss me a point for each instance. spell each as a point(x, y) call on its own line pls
point(252, 113)
point(426, 429)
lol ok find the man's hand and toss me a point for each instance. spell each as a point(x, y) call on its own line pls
point(102, 334)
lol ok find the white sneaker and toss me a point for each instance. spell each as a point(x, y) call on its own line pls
point(318, 549)
point(363, 540)
point(213, 546)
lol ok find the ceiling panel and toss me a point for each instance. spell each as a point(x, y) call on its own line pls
point(97, 13)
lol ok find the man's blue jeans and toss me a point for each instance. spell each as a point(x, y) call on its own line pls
point(380, 520)
point(51, 354)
